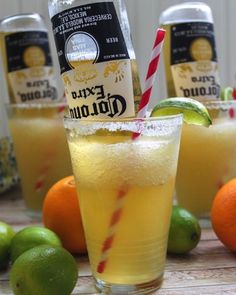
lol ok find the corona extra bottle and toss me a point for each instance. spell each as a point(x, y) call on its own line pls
point(27, 60)
point(96, 56)
point(190, 51)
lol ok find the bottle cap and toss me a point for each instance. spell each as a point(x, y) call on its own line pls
point(188, 11)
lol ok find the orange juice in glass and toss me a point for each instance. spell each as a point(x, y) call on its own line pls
point(207, 158)
point(125, 188)
point(41, 149)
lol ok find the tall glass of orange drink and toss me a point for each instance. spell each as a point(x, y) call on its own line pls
point(125, 188)
point(41, 149)
point(207, 159)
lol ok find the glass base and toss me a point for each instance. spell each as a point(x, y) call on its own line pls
point(205, 222)
point(33, 214)
point(118, 289)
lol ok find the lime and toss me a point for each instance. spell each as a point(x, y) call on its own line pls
point(185, 231)
point(226, 93)
point(30, 237)
point(44, 270)
point(194, 112)
point(6, 235)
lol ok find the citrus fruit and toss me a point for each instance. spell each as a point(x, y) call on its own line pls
point(193, 111)
point(223, 214)
point(185, 231)
point(61, 213)
point(226, 93)
point(30, 237)
point(44, 270)
point(6, 235)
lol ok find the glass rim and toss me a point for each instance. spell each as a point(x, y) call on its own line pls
point(220, 104)
point(165, 125)
point(39, 105)
point(176, 117)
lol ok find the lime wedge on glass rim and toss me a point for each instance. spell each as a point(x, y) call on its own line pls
point(193, 111)
point(227, 93)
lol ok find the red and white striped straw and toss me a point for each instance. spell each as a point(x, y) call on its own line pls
point(151, 73)
point(121, 194)
point(114, 221)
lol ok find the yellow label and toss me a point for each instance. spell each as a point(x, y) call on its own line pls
point(191, 61)
point(28, 67)
point(196, 80)
point(99, 90)
point(33, 85)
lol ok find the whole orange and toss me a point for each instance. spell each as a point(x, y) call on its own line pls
point(223, 214)
point(61, 214)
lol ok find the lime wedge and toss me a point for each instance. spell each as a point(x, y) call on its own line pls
point(193, 111)
point(226, 93)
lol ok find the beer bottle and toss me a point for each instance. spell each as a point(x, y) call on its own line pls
point(27, 60)
point(96, 57)
point(190, 51)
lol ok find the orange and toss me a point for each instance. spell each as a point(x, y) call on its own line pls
point(61, 214)
point(223, 214)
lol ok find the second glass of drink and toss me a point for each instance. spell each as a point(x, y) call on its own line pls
point(207, 159)
point(41, 149)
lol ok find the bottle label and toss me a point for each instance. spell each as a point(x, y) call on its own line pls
point(29, 67)
point(193, 60)
point(94, 61)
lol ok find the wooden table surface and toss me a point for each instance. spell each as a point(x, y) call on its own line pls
point(209, 269)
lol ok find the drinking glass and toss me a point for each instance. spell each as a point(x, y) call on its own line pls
point(41, 149)
point(207, 159)
point(125, 175)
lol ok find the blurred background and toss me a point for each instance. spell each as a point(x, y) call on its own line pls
point(143, 17)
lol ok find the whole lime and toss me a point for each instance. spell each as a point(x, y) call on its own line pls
point(6, 235)
point(44, 270)
point(185, 231)
point(30, 237)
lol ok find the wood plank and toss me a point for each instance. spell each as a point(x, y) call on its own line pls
point(209, 247)
point(85, 286)
point(195, 262)
point(5, 288)
point(12, 209)
point(207, 290)
point(208, 234)
point(199, 278)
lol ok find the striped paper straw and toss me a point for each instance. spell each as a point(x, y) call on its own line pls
point(151, 73)
point(121, 194)
point(115, 218)
point(234, 93)
point(150, 77)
